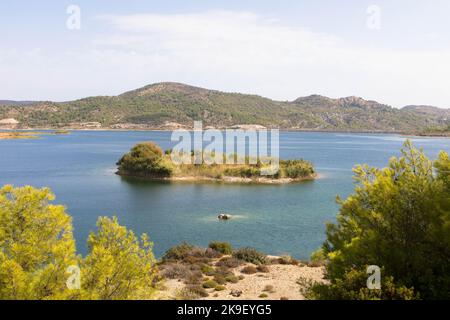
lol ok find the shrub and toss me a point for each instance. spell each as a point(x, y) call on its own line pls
point(144, 159)
point(193, 277)
point(262, 268)
point(220, 288)
point(210, 284)
point(178, 253)
point(296, 168)
point(229, 262)
point(394, 219)
point(263, 295)
point(222, 247)
point(175, 271)
point(212, 254)
point(353, 286)
point(268, 288)
point(286, 260)
point(318, 259)
point(249, 270)
point(208, 270)
point(197, 291)
point(250, 255)
point(220, 279)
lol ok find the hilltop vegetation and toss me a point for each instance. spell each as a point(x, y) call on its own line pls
point(147, 160)
point(168, 105)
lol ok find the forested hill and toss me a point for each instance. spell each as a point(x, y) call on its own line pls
point(170, 105)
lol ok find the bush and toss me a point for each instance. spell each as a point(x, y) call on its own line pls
point(178, 253)
point(220, 288)
point(318, 259)
point(268, 288)
point(222, 247)
point(232, 279)
point(397, 219)
point(262, 268)
point(296, 168)
point(250, 255)
point(144, 159)
point(249, 270)
point(243, 172)
point(210, 284)
point(220, 279)
point(194, 291)
point(208, 270)
point(175, 271)
point(229, 262)
point(263, 295)
point(286, 260)
point(353, 286)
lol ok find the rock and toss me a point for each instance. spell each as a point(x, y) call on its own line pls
point(236, 293)
point(224, 216)
point(9, 123)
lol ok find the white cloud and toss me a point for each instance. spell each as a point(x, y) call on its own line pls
point(241, 51)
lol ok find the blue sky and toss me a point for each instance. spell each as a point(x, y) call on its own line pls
point(398, 54)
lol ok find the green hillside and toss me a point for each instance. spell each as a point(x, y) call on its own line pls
point(165, 105)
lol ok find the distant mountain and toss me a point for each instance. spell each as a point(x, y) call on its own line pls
point(172, 105)
point(16, 103)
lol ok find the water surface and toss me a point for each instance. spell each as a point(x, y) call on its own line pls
point(286, 219)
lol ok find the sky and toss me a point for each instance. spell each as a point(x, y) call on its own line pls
point(394, 52)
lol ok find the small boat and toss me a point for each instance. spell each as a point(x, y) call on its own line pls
point(225, 216)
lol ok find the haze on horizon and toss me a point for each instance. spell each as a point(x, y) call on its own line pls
point(395, 53)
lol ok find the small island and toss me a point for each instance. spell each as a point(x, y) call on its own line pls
point(17, 135)
point(148, 161)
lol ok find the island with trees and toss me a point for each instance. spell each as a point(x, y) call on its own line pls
point(147, 160)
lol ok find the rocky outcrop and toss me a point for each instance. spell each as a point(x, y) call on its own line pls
point(9, 123)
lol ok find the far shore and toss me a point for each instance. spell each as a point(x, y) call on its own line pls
point(107, 129)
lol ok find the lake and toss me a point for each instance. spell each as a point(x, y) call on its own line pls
point(276, 219)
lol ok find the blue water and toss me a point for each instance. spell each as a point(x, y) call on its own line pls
point(288, 219)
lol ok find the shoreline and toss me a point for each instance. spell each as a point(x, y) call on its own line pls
point(106, 129)
point(226, 179)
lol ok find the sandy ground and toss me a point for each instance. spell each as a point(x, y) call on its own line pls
point(283, 279)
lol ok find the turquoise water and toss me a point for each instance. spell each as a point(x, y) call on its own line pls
point(288, 219)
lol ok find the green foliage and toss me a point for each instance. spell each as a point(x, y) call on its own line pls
point(36, 245)
point(262, 268)
point(178, 253)
point(398, 219)
point(208, 270)
point(118, 265)
point(192, 292)
point(243, 172)
point(153, 105)
point(250, 255)
point(222, 247)
point(353, 287)
point(210, 284)
point(37, 252)
point(144, 159)
point(220, 288)
point(249, 270)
